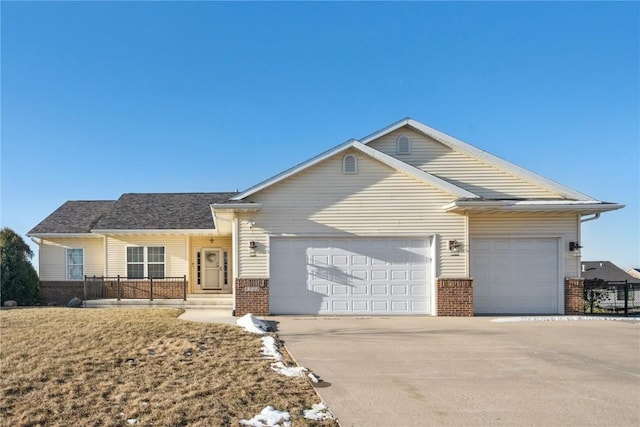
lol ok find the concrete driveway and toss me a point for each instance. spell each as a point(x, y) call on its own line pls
point(430, 371)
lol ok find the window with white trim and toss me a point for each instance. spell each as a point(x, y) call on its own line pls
point(75, 263)
point(146, 261)
point(349, 164)
point(403, 145)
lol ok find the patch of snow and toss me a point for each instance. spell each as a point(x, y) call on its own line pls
point(132, 421)
point(562, 319)
point(270, 348)
point(269, 416)
point(313, 377)
point(318, 412)
point(251, 324)
point(290, 371)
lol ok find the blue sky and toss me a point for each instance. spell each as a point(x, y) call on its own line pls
point(100, 99)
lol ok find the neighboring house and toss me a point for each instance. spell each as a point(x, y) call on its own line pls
point(635, 272)
point(407, 220)
point(605, 270)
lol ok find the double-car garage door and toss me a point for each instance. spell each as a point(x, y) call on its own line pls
point(350, 276)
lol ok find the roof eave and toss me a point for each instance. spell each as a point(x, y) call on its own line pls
point(505, 206)
point(61, 235)
point(156, 231)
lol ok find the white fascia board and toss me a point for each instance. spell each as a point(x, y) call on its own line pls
point(231, 207)
point(498, 162)
point(157, 231)
point(292, 171)
point(583, 206)
point(236, 206)
point(62, 235)
point(378, 155)
point(414, 172)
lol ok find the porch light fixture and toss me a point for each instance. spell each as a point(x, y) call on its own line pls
point(454, 247)
point(575, 248)
point(252, 247)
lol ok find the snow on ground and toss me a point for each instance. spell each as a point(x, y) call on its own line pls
point(251, 324)
point(270, 348)
point(562, 318)
point(269, 416)
point(290, 371)
point(318, 412)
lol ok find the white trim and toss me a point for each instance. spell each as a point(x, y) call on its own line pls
point(398, 151)
point(145, 259)
point(157, 231)
point(66, 262)
point(375, 154)
point(62, 235)
point(237, 206)
point(344, 164)
point(481, 155)
point(581, 206)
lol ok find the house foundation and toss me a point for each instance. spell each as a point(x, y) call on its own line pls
point(252, 296)
point(573, 296)
point(454, 297)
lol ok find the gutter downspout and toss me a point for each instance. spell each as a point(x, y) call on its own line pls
point(595, 216)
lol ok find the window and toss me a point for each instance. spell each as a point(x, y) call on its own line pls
point(403, 145)
point(75, 264)
point(349, 164)
point(145, 262)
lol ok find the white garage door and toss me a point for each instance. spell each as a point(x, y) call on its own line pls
point(515, 276)
point(349, 276)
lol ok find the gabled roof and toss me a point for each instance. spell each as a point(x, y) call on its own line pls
point(470, 150)
point(161, 211)
point(73, 217)
point(381, 157)
point(605, 270)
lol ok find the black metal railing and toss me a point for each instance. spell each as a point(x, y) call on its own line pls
point(122, 287)
point(611, 297)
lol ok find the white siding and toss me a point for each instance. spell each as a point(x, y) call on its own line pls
point(377, 201)
point(52, 257)
point(459, 169)
point(176, 253)
point(564, 226)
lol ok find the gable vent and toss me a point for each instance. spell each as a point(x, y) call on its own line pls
point(349, 164)
point(403, 145)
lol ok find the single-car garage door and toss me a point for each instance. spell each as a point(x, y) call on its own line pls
point(515, 276)
point(350, 276)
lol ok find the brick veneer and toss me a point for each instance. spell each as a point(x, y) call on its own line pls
point(454, 297)
point(573, 296)
point(252, 296)
point(60, 292)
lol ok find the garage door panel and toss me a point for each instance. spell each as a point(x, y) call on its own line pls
point(515, 275)
point(390, 275)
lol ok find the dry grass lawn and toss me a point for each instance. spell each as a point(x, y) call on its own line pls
point(62, 367)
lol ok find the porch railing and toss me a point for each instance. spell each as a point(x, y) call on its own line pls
point(611, 297)
point(122, 287)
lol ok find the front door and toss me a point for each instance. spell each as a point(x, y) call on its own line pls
point(211, 273)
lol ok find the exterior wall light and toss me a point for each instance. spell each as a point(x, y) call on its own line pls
point(575, 248)
point(454, 247)
point(252, 247)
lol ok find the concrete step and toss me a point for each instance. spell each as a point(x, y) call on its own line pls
point(220, 302)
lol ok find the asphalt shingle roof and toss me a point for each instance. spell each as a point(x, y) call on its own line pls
point(605, 270)
point(75, 216)
point(162, 211)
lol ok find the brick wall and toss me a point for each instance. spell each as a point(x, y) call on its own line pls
point(141, 289)
point(573, 296)
point(60, 292)
point(252, 296)
point(454, 297)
